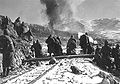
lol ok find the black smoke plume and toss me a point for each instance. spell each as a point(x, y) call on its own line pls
point(51, 11)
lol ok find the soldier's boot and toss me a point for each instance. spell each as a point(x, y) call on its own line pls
point(4, 72)
point(7, 71)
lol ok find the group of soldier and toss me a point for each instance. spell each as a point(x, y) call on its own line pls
point(54, 45)
point(102, 55)
point(107, 57)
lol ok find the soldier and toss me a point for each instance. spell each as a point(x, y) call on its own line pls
point(4, 22)
point(57, 46)
point(19, 28)
point(32, 49)
point(97, 50)
point(71, 45)
point(7, 48)
point(17, 20)
point(90, 49)
point(84, 42)
point(116, 54)
point(50, 44)
point(97, 56)
point(6, 32)
point(58, 38)
point(30, 35)
point(105, 53)
point(38, 49)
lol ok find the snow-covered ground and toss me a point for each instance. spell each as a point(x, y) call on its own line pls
point(61, 73)
point(30, 75)
point(44, 49)
point(90, 74)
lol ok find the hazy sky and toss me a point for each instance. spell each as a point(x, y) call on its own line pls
point(32, 11)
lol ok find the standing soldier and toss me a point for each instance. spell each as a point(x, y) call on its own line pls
point(18, 26)
point(50, 44)
point(84, 42)
point(7, 48)
point(71, 45)
point(105, 53)
point(116, 54)
point(57, 46)
point(38, 49)
point(58, 38)
point(4, 22)
point(17, 21)
point(97, 57)
point(90, 49)
point(32, 49)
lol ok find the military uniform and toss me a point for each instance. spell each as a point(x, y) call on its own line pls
point(38, 49)
point(50, 44)
point(7, 48)
point(84, 42)
point(106, 52)
point(57, 46)
point(71, 45)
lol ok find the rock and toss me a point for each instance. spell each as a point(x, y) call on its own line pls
point(75, 70)
point(52, 60)
point(37, 63)
point(105, 81)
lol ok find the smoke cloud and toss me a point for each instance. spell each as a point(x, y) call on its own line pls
point(51, 11)
point(59, 11)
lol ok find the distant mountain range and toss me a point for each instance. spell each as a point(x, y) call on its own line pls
point(98, 29)
point(108, 28)
point(42, 31)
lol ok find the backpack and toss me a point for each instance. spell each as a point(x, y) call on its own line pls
point(83, 40)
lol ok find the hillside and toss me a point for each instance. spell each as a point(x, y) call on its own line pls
point(107, 28)
point(71, 26)
point(41, 31)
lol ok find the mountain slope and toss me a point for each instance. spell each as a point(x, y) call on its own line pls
point(108, 28)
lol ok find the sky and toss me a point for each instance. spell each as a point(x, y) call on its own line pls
point(32, 11)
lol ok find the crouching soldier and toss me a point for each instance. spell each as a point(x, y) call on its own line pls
point(7, 49)
point(71, 45)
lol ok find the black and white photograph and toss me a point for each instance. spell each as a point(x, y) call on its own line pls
point(59, 41)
